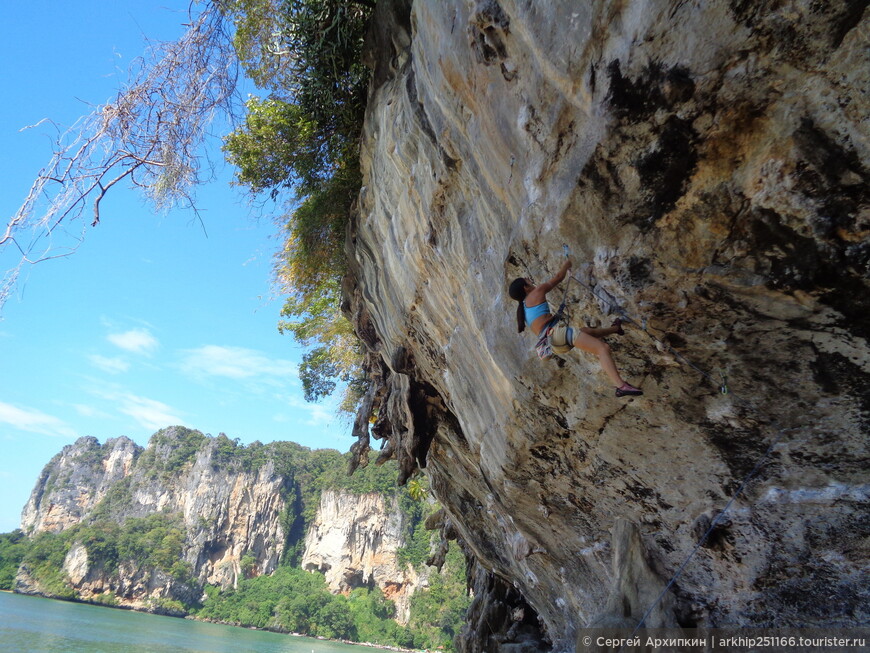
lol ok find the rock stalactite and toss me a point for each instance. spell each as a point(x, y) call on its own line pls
point(707, 163)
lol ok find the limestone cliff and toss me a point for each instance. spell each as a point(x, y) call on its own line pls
point(232, 516)
point(355, 540)
point(707, 163)
point(75, 481)
point(225, 512)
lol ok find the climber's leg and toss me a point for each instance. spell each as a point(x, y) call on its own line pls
point(615, 328)
point(601, 331)
point(588, 342)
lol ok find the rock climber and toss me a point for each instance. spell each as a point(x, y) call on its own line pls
point(534, 311)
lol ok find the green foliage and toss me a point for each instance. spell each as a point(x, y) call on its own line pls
point(417, 539)
point(290, 600)
point(170, 451)
point(12, 549)
point(248, 564)
point(318, 372)
point(274, 149)
point(374, 618)
point(155, 541)
point(92, 456)
point(417, 545)
point(230, 454)
point(317, 614)
point(44, 560)
point(293, 600)
point(437, 613)
point(310, 50)
point(417, 489)
point(372, 478)
point(106, 598)
point(100, 539)
point(163, 605)
point(116, 500)
point(305, 136)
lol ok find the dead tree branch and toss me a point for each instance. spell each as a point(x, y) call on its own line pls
point(151, 135)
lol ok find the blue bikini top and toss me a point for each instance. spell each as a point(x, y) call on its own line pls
point(534, 312)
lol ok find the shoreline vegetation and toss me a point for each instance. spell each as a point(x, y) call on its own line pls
point(95, 602)
point(291, 596)
point(383, 647)
point(217, 622)
point(287, 600)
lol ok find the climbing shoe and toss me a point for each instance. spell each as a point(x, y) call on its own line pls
point(628, 390)
point(618, 324)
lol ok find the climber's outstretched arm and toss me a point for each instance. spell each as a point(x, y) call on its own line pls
point(547, 286)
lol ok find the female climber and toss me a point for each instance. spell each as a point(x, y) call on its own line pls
point(534, 310)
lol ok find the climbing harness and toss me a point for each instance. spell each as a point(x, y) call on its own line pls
point(724, 389)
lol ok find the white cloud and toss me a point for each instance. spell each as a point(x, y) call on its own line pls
point(235, 363)
point(34, 421)
point(319, 414)
point(89, 411)
point(149, 413)
point(137, 341)
point(111, 365)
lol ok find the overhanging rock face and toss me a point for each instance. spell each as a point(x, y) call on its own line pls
point(707, 165)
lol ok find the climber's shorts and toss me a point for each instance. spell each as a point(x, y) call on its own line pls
point(562, 339)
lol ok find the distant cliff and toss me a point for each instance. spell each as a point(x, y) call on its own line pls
point(355, 541)
point(708, 163)
point(153, 527)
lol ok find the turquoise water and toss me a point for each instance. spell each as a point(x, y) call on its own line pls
point(35, 625)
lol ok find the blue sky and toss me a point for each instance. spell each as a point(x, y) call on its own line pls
point(156, 319)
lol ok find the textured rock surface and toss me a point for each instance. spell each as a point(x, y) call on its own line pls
point(75, 481)
point(708, 165)
point(228, 513)
point(354, 541)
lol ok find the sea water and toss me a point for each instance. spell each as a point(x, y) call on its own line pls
point(35, 625)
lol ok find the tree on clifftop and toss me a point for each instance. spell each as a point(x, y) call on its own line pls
point(304, 138)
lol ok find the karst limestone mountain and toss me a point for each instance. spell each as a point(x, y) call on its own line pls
point(234, 516)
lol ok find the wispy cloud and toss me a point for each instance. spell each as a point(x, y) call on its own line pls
point(319, 414)
point(137, 341)
point(149, 413)
point(111, 365)
point(234, 363)
point(34, 421)
point(89, 411)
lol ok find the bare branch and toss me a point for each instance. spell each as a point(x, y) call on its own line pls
point(104, 189)
point(150, 135)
